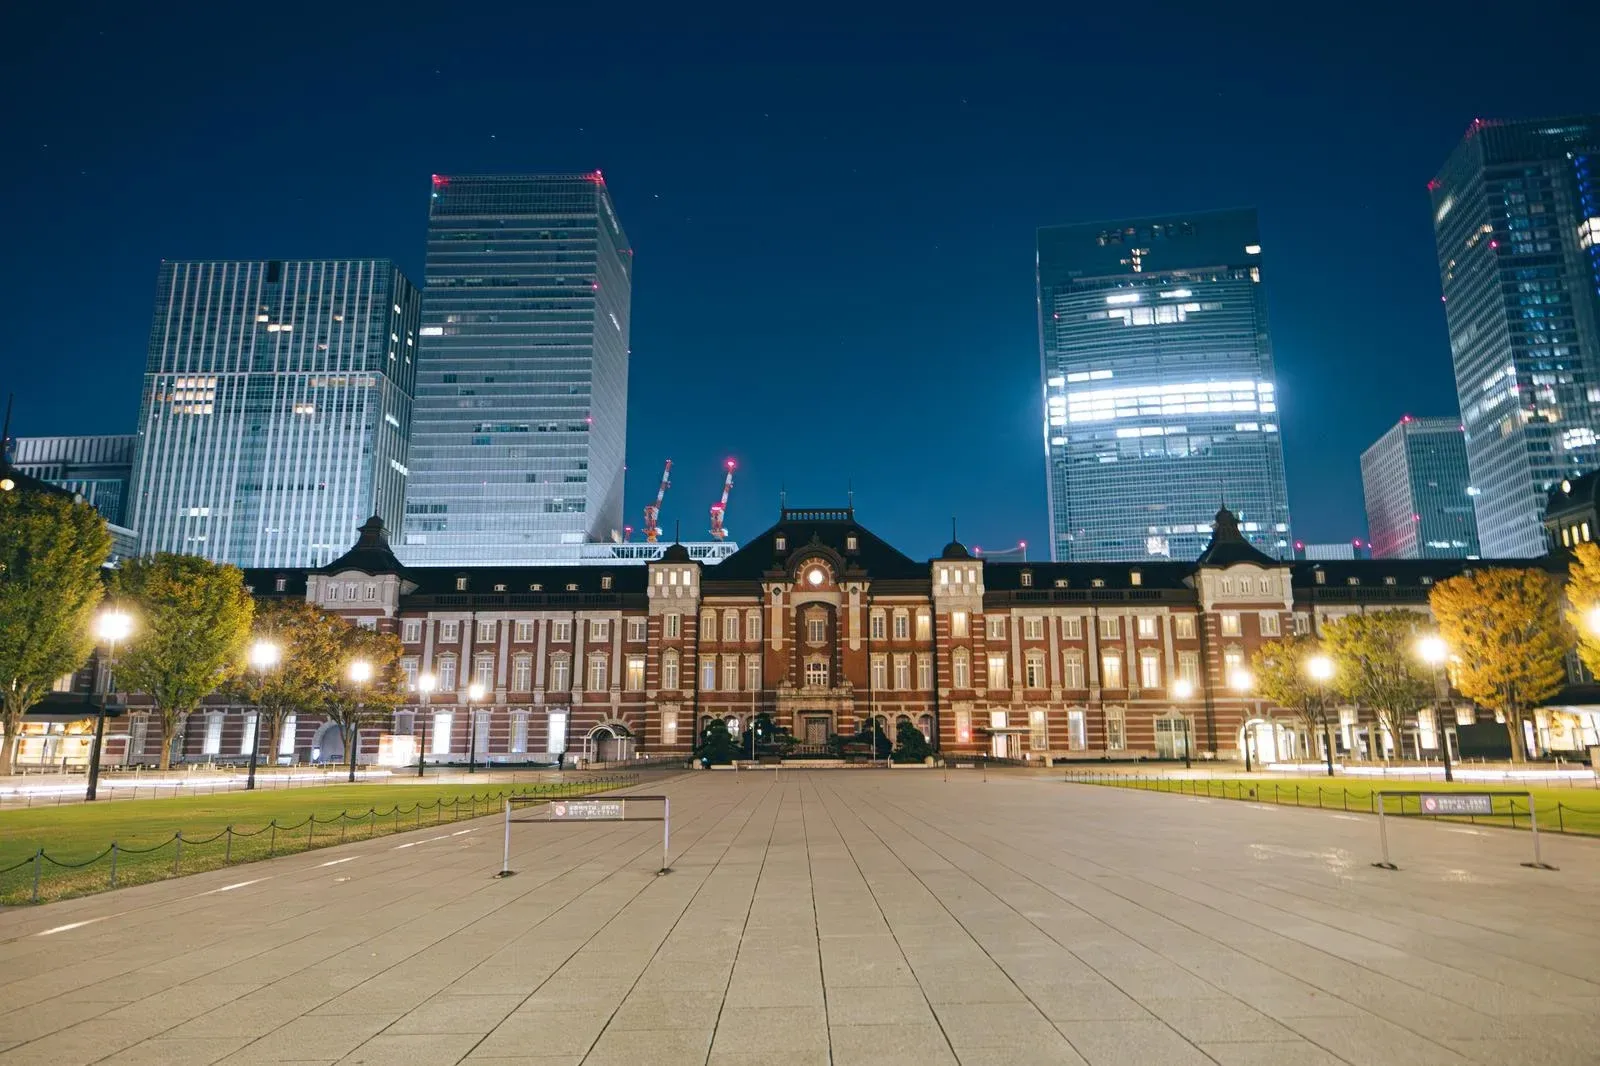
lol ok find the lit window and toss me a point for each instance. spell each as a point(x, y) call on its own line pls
point(561, 632)
point(959, 668)
point(1149, 670)
point(816, 674)
point(958, 624)
point(1269, 624)
point(1035, 669)
point(1111, 671)
point(708, 675)
point(924, 672)
point(411, 630)
point(997, 627)
point(997, 672)
point(522, 674)
point(880, 671)
point(924, 625)
point(597, 674)
point(1072, 670)
point(1189, 666)
point(1110, 627)
point(461, 584)
point(447, 673)
point(635, 680)
point(1033, 628)
point(1027, 579)
point(1038, 731)
point(1116, 730)
point(1147, 627)
point(599, 630)
point(730, 673)
point(1230, 624)
point(560, 673)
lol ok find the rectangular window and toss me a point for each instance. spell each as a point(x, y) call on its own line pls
point(485, 632)
point(560, 674)
point(411, 630)
point(561, 632)
point(958, 669)
point(1038, 731)
point(924, 672)
point(817, 674)
point(522, 674)
point(483, 672)
point(1149, 671)
point(730, 673)
point(1033, 628)
point(669, 725)
point(636, 630)
point(752, 624)
point(555, 740)
point(1116, 731)
point(1077, 732)
point(408, 667)
point(997, 672)
point(636, 673)
point(1189, 666)
point(1072, 628)
point(924, 626)
point(449, 632)
point(752, 671)
point(1072, 670)
point(997, 627)
point(1111, 671)
point(902, 626)
point(213, 741)
point(1183, 624)
point(730, 625)
point(1110, 627)
point(519, 732)
point(247, 742)
point(1232, 663)
point(958, 624)
point(1147, 627)
point(902, 672)
point(708, 675)
point(875, 629)
point(524, 632)
point(669, 672)
point(447, 674)
point(674, 625)
point(599, 630)
point(597, 674)
point(963, 726)
point(880, 671)
point(1302, 625)
point(480, 732)
point(816, 630)
point(708, 625)
point(1230, 623)
point(1269, 624)
point(286, 736)
point(442, 722)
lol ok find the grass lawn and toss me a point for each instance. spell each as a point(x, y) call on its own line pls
point(1559, 809)
point(226, 828)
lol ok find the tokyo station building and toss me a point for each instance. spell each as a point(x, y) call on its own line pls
point(821, 624)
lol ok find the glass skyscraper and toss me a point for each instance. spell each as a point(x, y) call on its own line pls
point(1419, 499)
point(522, 393)
point(1159, 397)
point(1516, 212)
point(277, 397)
point(96, 468)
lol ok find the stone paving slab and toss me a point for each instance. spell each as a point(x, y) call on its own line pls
point(839, 918)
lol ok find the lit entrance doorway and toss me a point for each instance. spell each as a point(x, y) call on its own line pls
point(1172, 737)
point(815, 728)
point(609, 742)
point(328, 745)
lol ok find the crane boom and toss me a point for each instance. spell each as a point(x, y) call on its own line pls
point(652, 511)
point(718, 510)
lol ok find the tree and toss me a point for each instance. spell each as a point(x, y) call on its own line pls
point(1503, 626)
point(308, 642)
point(716, 743)
point(910, 744)
point(771, 738)
point(194, 626)
point(351, 703)
point(1583, 599)
point(870, 735)
point(51, 552)
point(1284, 678)
point(1376, 666)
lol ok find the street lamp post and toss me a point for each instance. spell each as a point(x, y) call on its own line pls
point(1434, 652)
point(425, 685)
point(263, 656)
point(1320, 667)
point(1240, 682)
point(110, 627)
point(360, 674)
point(1183, 688)
point(474, 692)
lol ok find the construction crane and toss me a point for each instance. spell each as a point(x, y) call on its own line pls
point(1021, 549)
point(652, 511)
point(720, 509)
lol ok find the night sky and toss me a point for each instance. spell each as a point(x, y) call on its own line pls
point(833, 216)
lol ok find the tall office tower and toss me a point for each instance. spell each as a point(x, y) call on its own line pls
point(96, 468)
point(1160, 402)
point(277, 399)
point(1419, 500)
point(1516, 214)
point(522, 393)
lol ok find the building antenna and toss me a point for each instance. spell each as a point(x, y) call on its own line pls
point(783, 497)
point(676, 530)
point(5, 434)
point(850, 493)
point(952, 529)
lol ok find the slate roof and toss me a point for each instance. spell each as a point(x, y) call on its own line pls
point(1228, 546)
point(1007, 576)
point(371, 554)
point(830, 527)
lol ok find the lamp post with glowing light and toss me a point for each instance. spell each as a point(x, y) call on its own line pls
point(360, 674)
point(263, 657)
point(111, 627)
point(1320, 667)
point(425, 685)
point(1434, 651)
point(1241, 681)
point(1183, 688)
point(474, 693)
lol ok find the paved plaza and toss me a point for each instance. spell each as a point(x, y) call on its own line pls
point(884, 917)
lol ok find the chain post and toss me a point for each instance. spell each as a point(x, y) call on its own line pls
point(38, 860)
point(113, 864)
point(177, 852)
point(227, 851)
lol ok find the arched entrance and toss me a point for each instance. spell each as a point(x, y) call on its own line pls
point(609, 742)
point(328, 744)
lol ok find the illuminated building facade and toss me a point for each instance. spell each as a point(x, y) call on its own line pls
point(1419, 501)
point(1159, 394)
point(522, 393)
point(1516, 213)
point(277, 400)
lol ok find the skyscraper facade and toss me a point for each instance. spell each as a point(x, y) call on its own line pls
point(1516, 212)
point(1159, 394)
point(522, 392)
point(97, 468)
point(1419, 497)
point(277, 399)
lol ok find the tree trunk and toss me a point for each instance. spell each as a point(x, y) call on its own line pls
point(169, 728)
point(1514, 734)
point(8, 751)
point(353, 741)
point(1328, 728)
point(275, 729)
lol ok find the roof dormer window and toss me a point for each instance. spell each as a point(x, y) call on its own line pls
point(461, 584)
point(782, 543)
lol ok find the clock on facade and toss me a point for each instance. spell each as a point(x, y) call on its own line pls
point(815, 576)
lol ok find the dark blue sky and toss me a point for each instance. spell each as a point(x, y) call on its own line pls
point(833, 216)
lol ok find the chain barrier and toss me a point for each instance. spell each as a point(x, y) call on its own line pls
point(25, 880)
